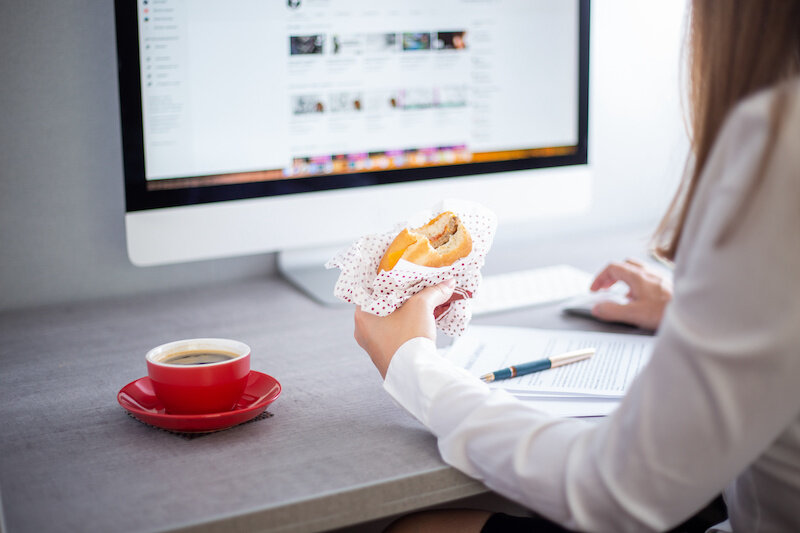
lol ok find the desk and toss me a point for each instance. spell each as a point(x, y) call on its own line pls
point(337, 451)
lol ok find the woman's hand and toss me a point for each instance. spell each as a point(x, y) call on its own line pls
point(382, 336)
point(649, 295)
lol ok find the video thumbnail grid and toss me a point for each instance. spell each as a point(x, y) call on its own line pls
point(377, 101)
point(376, 43)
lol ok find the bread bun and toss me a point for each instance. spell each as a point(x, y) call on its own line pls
point(440, 242)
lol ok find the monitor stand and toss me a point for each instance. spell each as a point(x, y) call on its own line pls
point(305, 269)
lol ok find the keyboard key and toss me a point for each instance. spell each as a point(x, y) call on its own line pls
point(524, 288)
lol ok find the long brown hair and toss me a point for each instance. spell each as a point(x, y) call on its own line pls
point(735, 48)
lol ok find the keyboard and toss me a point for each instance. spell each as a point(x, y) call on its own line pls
point(524, 288)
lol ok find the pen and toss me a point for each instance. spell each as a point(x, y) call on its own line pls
point(537, 366)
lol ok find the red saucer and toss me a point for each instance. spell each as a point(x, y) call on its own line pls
point(140, 401)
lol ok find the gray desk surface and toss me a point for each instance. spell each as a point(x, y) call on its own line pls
point(337, 451)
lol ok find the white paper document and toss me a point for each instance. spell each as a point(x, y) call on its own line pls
point(592, 387)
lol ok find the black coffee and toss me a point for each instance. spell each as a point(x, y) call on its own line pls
point(198, 357)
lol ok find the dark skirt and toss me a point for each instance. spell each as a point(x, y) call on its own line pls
point(714, 513)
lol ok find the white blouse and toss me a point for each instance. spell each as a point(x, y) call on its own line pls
point(718, 407)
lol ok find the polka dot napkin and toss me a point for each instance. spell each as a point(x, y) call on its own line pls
point(381, 293)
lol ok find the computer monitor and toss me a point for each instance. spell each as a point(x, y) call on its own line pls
point(252, 126)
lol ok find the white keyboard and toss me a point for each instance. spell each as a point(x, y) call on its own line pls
point(525, 288)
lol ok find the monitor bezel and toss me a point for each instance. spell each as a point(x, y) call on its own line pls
point(139, 198)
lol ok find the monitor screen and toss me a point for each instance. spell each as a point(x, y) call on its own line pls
point(286, 99)
point(252, 98)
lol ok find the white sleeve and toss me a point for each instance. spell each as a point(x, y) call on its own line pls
point(720, 387)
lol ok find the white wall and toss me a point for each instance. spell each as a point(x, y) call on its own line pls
point(637, 137)
point(638, 141)
point(61, 195)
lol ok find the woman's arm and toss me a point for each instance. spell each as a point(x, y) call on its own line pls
point(720, 388)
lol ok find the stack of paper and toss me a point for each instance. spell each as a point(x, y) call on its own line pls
point(592, 387)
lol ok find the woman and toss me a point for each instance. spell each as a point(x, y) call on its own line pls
point(718, 407)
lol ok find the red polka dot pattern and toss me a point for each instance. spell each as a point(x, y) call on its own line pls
point(382, 293)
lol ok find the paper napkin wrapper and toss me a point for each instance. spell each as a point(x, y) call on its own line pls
point(380, 294)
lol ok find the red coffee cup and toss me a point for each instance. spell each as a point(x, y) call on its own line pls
point(195, 376)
